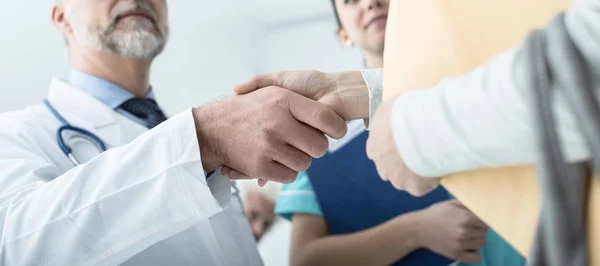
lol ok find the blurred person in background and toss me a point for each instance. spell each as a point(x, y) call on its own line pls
point(271, 232)
point(343, 214)
point(259, 204)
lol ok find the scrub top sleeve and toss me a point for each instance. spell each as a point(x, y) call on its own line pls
point(298, 197)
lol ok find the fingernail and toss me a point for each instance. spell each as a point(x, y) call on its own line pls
point(262, 182)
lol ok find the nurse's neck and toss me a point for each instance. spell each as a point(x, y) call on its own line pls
point(374, 60)
point(130, 73)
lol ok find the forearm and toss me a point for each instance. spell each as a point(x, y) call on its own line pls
point(119, 205)
point(353, 92)
point(483, 119)
point(360, 92)
point(381, 245)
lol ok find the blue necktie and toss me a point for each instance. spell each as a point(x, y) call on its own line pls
point(145, 109)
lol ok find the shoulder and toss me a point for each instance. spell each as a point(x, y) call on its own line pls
point(18, 118)
point(23, 122)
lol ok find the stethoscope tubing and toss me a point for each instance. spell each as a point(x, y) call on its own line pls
point(67, 127)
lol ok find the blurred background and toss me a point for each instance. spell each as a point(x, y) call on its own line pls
point(213, 46)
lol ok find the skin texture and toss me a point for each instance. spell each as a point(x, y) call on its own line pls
point(280, 129)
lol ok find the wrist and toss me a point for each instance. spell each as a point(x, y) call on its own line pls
point(208, 151)
point(413, 237)
point(351, 89)
point(421, 228)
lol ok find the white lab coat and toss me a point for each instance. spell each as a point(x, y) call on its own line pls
point(146, 201)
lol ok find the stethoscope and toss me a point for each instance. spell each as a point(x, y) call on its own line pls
point(99, 143)
point(66, 149)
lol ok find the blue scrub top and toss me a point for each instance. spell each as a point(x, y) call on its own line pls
point(299, 197)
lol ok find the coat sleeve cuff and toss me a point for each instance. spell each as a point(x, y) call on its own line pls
point(374, 80)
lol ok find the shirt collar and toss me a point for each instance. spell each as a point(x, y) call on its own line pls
point(102, 90)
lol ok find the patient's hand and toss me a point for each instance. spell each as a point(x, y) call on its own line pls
point(345, 92)
point(450, 229)
point(382, 149)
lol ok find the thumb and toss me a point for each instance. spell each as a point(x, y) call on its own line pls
point(258, 82)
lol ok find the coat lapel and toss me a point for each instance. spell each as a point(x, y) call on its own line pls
point(82, 110)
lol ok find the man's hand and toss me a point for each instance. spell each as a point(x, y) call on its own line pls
point(271, 133)
point(345, 92)
point(382, 149)
point(450, 229)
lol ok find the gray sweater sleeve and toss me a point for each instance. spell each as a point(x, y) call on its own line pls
point(482, 119)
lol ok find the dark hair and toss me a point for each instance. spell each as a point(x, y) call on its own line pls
point(337, 17)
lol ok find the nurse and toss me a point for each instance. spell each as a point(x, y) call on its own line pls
point(343, 214)
point(156, 196)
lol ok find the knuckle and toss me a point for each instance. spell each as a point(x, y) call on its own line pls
point(465, 219)
point(278, 95)
point(455, 251)
point(281, 100)
point(270, 129)
point(271, 152)
point(258, 80)
point(279, 77)
point(273, 97)
point(261, 162)
point(462, 232)
point(315, 75)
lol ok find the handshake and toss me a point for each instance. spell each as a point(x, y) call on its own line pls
point(278, 123)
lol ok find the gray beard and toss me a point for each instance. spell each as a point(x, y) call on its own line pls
point(129, 38)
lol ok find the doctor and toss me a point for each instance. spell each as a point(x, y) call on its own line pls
point(147, 200)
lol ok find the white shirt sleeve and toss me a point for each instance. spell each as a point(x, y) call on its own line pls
point(482, 119)
point(374, 80)
point(109, 209)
